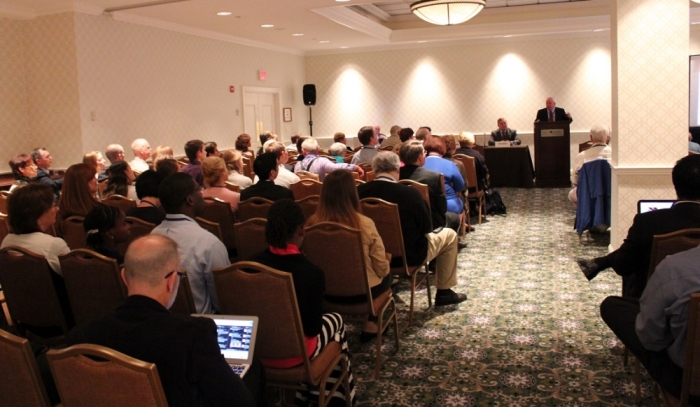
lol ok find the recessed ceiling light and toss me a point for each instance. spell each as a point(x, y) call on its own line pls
point(324, 42)
point(342, 1)
point(223, 13)
point(267, 25)
point(297, 35)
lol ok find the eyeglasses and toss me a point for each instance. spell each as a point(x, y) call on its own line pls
point(180, 273)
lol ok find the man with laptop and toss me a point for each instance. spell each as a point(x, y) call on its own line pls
point(631, 260)
point(184, 348)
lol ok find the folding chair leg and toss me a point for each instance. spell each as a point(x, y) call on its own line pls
point(637, 382)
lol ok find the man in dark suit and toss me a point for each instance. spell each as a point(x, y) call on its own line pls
point(413, 156)
point(631, 260)
point(420, 243)
point(265, 167)
point(184, 348)
point(504, 133)
point(552, 113)
point(43, 160)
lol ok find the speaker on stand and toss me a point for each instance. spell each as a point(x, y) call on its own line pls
point(309, 93)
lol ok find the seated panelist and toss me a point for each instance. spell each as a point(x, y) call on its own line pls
point(504, 133)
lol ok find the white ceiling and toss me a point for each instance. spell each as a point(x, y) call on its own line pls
point(356, 24)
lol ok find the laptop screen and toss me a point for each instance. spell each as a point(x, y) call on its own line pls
point(653, 205)
point(236, 336)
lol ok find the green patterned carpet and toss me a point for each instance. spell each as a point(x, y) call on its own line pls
point(530, 333)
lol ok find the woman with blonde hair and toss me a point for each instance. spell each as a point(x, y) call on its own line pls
point(339, 203)
point(215, 176)
point(78, 192)
point(96, 159)
point(162, 151)
point(234, 164)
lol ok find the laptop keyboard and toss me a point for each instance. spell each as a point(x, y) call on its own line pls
point(237, 369)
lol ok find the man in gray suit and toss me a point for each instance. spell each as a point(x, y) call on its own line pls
point(503, 133)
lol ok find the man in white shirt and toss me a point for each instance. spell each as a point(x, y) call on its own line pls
point(600, 137)
point(142, 151)
point(200, 251)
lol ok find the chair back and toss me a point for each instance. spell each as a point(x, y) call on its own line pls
point(219, 211)
point(210, 227)
point(248, 166)
point(253, 208)
point(269, 294)
point(184, 301)
point(309, 205)
point(369, 173)
point(232, 187)
point(691, 363)
point(305, 187)
point(94, 284)
point(672, 243)
point(4, 227)
point(93, 375)
point(594, 188)
point(101, 187)
point(74, 232)
point(138, 227)
point(250, 237)
point(26, 275)
point(420, 187)
point(120, 202)
point(470, 169)
point(20, 380)
point(4, 195)
point(387, 220)
point(303, 174)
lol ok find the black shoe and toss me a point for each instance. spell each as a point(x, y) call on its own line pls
point(367, 336)
point(448, 297)
point(461, 246)
point(432, 267)
point(589, 268)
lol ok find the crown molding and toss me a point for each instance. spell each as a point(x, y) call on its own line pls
point(348, 18)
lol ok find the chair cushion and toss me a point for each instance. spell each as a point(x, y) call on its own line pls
point(297, 374)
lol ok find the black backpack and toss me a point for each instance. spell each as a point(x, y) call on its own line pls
point(494, 203)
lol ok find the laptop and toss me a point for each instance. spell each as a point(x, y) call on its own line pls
point(645, 205)
point(236, 338)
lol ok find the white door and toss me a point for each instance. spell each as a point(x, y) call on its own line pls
point(260, 112)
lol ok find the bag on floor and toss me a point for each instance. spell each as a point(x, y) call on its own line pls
point(494, 203)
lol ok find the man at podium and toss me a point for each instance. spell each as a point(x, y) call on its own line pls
point(503, 133)
point(552, 113)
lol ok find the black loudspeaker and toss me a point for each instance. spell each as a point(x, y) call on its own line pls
point(309, 95)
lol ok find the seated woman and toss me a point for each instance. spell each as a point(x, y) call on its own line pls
point(234, 164)
point(24, 169)
point(78, 192)
point(337, 151)
point(95, 159)
point(454, 183)
point(284, 233)
point(120, 181)
point(149, 208)
point(243, 144)
point(106, 227)
point(215, 176)
point(339, 203)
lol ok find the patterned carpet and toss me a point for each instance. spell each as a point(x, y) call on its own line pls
point(530, 333)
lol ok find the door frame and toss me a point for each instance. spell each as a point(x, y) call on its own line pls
point(276, 96)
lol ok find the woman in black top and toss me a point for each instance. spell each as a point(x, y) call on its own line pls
point(106, 227)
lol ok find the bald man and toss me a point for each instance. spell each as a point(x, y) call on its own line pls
point(142, 151)
point(552, 113)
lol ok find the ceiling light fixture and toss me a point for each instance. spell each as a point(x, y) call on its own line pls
point(267, 25)
point(223, 13)
point(447, 12)
point(297, 35)
point(324, 42)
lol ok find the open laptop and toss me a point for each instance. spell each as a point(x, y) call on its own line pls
point(236, 337)
point(649, 205)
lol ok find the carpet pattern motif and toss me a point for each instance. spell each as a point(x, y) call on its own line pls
point(530, 333)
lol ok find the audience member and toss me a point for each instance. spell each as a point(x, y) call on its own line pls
point(211, 149)
point(183, 348)
point(504, 133)
point(31, 211)
point(120, 181)
point(43, 160)
point(284, 232)
point(105, 227)
point(450, 150)
point(600, 136)
point(406, 134)
point(243, 144)
point(300, 150)
point(292, 146)
point(323, 166)
point(149, 208)
point(466, 142)
point(95, 159)
point(161, 151)
point(264, 137)
point(234, 164)
point(420, 242)
point(114, 152)
point(266, 168)
point(693, 146)
point(167, 167)
point(377, 129)
point(339, 137)
point(79, 191)
point(194, 149)
point(338, 151)
point(24, 170)
point(631, 259)
point(142, 152)
point(339, 203)
point(393, 140)
point(285, 178)
point(215, 177)
point(454, 183)
point(422, 133)
point(368, 137)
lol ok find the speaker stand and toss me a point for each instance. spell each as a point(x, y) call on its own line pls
point(311, 124)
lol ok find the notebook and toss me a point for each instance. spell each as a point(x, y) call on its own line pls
point(236, 337)
point(645, 205)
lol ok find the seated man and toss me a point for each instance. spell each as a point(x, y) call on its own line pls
point(194, 149)
point(339, 137)
point(312, 163)
point(504, 133)
point(631, 260)
point(368, 138)
point(43, 160)
point(184, 348)
point(420, 242)
point(267, 170)
point(264, 137)
point(142, 152)
point(114, 153)
point(284, 177)
point(600, 136)
point(200, 251)
point(466, 143)
point(393, 140)
point(422, 133)
point(654, 327)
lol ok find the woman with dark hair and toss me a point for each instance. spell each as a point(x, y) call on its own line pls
point(31, 212)
point(166, 166)
point(120, 180)
point(149, 208)
point(243, 143)
point(284, 233)
point(23, 168)
point(78, 192)
point(106, 227)
point(339, 203)
point(454, 183)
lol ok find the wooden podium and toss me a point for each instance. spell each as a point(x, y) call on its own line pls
point(552, 155)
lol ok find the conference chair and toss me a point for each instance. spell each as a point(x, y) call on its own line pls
point(303, 174)
point(119, 201)
point(309, 205)
point(93, 375)
point(211, 227)
point(305, 187)
point(250, 237)
point(73, 232)
point(184, 301)
point(594, 196)
point(137, 228)
point(253, 208)
point(269, 294)
point(248, 166)
point(348, 277)
point(20, 380)
point(4, 227)
point(232, 187)
point(4, 195)
point(219, 212)
point(474, 193)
